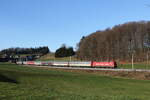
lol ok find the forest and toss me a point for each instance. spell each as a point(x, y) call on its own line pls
point(120, 43)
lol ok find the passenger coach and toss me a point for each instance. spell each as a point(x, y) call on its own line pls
point(92, 64)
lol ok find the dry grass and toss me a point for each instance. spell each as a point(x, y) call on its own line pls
point(51, 56)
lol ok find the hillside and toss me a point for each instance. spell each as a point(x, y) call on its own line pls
point(51, 56)
point(118, 43)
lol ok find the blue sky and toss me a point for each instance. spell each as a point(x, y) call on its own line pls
point(33, 23)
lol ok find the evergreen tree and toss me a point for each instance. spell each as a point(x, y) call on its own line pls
point(64, 52)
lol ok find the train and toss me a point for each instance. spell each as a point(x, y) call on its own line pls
point(92, 64)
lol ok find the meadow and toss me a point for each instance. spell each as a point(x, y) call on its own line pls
point(28, 83)
point(135, 66)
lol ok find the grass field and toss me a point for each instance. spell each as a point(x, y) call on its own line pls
point(27, 83)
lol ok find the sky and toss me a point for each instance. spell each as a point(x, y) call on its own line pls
point(34, 23)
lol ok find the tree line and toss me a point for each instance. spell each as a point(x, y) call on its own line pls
point(17, 51)
point(117, 43)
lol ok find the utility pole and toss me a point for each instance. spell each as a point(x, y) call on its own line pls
point(54, 59)
point(132, 53)
point(132, 61)
point(147, 60)
point(70, 58)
